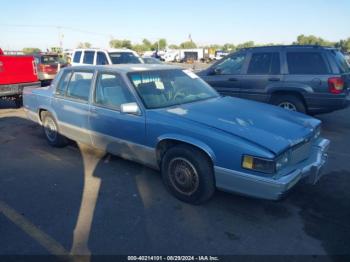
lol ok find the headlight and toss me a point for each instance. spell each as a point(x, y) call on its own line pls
point(259, 164)
point(282, 161)
point(317, 132)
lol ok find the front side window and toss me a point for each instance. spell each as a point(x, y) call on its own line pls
point(89, 57)
point(111, 91)
point(165, 88)
point(77, 56)
point(63, 82)
point(231, 65)
point(101, 59)
point(264, 64)
point(79, 85)
point(124, 58)
point(306, 63)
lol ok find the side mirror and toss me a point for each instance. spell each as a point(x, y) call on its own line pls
point(215, 71)
point(130, 108)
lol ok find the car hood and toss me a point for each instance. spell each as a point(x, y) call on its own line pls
point(271, 127)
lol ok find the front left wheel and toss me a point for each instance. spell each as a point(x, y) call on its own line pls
point(188, 174)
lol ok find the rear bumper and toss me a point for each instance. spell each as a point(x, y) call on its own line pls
point(45, 76)
point(326, 103)
point(309, 170)
point(15, 89)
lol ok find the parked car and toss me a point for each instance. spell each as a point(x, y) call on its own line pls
point(104, 57)
point(151, 60)
point(308, 79)
point(169, 119)
point(16, 72)
point(47, 66)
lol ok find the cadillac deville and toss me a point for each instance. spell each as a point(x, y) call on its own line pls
point(169, 119)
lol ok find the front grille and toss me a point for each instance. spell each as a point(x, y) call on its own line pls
point(301, 152)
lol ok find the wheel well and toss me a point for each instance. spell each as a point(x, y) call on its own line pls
point(293, 93)
point(166, 144)
point(40, 113)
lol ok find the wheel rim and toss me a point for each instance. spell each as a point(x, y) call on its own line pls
point(183, 176)
point(288, 106)
point(50, 129)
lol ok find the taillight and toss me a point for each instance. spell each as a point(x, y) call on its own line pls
point(336, 85)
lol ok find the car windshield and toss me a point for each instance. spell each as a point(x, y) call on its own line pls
point(341, 62)
point(151, 60)
point(49, 59)
point(165, 88)
point(124, 58)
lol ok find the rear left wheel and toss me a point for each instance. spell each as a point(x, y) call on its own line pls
point(51, 131)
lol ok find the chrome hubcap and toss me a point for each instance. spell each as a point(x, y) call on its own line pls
point(50, 129)
point(288, 106)
point(183, 176)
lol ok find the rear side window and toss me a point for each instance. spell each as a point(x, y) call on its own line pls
point(124, 58)
point(89, 57)
point(77, 56)
point(101, 59)
point(306, 63)
point(62, 84)
point(264, 64)
point(342, 64)
point(79, 85)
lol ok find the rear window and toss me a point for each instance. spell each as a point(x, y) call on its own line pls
point(124, 58)
point(340, 59)
point(77, 57)
point(306, 63)
point(89, 57)
point(49, 59)
point(264, 64)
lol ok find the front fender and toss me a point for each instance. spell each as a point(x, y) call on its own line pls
point(191, 141)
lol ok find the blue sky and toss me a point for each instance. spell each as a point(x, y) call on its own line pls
point(34, 23)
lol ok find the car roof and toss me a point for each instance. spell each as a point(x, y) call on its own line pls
point(109, 50)
point(274, 47)
point(127, 68)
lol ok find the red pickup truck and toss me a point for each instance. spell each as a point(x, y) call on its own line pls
point(16, 72)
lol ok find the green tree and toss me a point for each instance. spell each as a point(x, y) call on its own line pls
point(245, 45)
point(188, 45)
point(162, 43)
point(229, 47)
point(84, 45)
point(147, 44)
point(344, 45)
point(31, 50)
point(312, 40)
point(116, 43)
point(172, 46)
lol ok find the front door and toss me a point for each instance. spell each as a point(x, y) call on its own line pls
point(225, 76)
point(263, 73)
point(111, 130)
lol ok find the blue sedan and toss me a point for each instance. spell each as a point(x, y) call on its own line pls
point(169, 119)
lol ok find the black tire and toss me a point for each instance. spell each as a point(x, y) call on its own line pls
point(195, 166)
point(292, 101)
point(51, 131)
point(18, 102)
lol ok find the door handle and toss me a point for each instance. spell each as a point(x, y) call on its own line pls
point(274, 79)
point(233, 79)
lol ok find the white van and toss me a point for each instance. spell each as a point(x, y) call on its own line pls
point(104, 57)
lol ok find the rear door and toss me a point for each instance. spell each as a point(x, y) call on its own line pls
point(71, 104)
point(262, 73)
point(226, 75)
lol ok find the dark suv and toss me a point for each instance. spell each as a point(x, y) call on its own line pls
point(308, 79)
